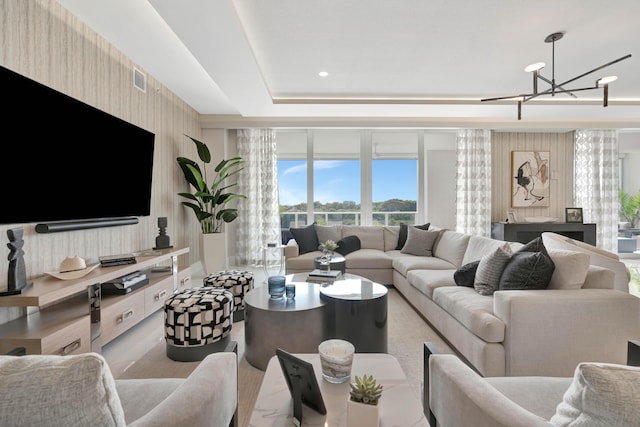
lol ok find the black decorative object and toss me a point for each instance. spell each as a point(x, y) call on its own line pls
point(162, 241)
point(17, 280)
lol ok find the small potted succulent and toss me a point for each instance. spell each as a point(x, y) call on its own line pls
point(362, 408)
point(328, 246)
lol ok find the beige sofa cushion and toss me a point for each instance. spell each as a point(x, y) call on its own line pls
point(60, 391)
point(391, 234)
point(403, 263)
point(328, 232)
point(371, 237)
point(479, 246)
point(472, 310)
point(601, 394)
point(570, 269)
point(451, 247)
point(427, 280)
point(368, 258)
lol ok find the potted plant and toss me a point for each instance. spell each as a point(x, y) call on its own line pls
point(630, 208)
point(209, 201)
point(362, 408)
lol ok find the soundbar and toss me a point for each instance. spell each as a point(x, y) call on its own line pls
point(56, 227)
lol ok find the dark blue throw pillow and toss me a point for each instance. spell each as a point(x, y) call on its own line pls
point(306, 238)
point(348, 244)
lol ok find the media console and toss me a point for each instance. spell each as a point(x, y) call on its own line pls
point(525, 232)
point(72, 316)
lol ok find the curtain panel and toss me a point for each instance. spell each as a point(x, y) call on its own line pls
point(473, 182)
point(596, 183)
point(259, 222)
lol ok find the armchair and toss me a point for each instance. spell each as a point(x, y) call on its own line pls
point(80, 390)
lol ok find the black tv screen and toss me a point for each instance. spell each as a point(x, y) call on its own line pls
point(71, 161)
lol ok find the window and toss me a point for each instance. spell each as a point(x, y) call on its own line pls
point(363, 177)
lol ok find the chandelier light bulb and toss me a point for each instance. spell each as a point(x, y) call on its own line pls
point(534, 67)
point(606, 80)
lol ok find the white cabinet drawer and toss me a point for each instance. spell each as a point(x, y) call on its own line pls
point(119, 314)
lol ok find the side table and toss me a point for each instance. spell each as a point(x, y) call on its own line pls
point(338, 262)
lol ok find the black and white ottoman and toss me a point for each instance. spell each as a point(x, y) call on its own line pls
point(235, 281)
point(197, 322)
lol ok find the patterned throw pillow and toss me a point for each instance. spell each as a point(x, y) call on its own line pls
point(601, 394)
point(490, 269)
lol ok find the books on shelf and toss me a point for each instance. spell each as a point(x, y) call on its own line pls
point(318, 275)
point(111, 260)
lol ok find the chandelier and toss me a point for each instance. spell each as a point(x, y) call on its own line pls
point(555, 88)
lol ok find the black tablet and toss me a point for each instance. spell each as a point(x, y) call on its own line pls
point(302, 383)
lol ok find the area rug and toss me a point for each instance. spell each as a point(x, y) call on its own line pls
point(407, 331)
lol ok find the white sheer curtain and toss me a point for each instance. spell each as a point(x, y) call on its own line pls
point(596, 183)
point(473, 182)
point(259, 221)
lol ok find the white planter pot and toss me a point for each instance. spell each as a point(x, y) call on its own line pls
point(213, 252)
point(362, 415)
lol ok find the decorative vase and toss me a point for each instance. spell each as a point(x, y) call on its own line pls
point(213, 252)
point(276, 286)
point(362, 414)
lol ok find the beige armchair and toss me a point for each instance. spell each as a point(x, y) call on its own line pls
point(39, 390)
point(598, 394)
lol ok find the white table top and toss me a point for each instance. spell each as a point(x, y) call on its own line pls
point(398, 405)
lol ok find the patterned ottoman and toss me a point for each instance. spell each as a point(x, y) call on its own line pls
point(197, 322)
point(238, 282)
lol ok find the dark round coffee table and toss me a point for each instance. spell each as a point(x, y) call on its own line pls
point(338, 262)
point(357, 312)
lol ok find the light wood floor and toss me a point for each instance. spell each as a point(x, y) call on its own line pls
point(139, 353)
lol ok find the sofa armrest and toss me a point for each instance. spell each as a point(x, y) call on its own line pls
point(291, 250)
point(214, 381)
point(548, 332)
point(461, 397)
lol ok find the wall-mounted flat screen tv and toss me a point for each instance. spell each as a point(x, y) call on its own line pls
point(66, 160)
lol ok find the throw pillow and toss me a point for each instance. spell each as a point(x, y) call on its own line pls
point(402, 234)
point(75, 390)
point(571, 269)
point(490, 269)
point(601, 394)
point(527, 270)
point(465, 275)
point(348, 244)
point(535, 245)
point(419, 242)
point(306, 238)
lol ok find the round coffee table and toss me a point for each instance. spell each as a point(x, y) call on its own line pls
point(297, 325)
point(338, 262)
point(357, 312)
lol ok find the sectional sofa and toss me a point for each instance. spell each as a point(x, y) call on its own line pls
point(576, 316)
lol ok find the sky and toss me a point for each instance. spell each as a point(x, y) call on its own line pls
point(339, 180)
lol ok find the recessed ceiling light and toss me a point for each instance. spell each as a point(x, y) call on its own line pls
point(323, 74)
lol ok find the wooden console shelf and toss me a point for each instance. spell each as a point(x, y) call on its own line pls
point(69, 321)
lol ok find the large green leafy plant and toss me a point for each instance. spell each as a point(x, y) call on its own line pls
point(209, 201)
point(630, 207)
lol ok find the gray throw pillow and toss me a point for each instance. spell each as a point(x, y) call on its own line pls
point(306, 238)
point(402, 234)
point(490, 269)
point(419, 242)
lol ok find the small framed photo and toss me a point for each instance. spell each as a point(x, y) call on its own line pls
point(573, 215)
point(511, 216)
